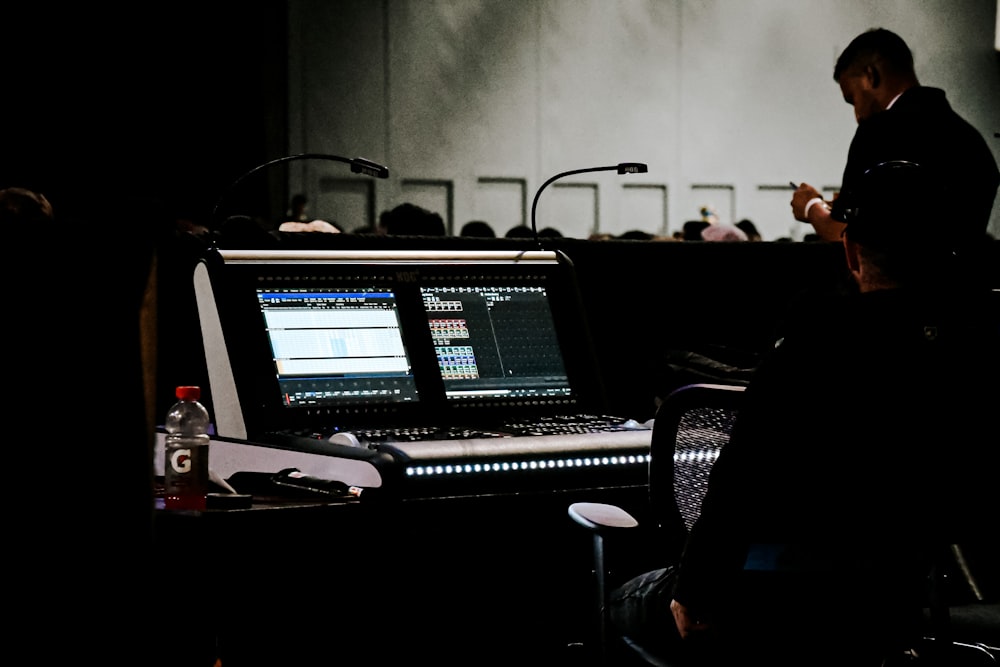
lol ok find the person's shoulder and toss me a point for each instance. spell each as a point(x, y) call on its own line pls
point(926, 102)
point(921, 96)
point(820, 303)
point(814, 321)
point(916, 102)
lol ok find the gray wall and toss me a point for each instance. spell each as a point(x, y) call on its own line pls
point(474, 104)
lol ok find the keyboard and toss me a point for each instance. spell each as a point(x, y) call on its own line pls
point(510, 428)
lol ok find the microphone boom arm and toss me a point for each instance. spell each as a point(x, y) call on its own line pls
point(621, 168)
point(359, 165)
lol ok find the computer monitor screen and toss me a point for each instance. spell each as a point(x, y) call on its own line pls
point(495, 342)
point(332, 346)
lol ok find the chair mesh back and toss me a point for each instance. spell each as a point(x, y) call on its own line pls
point(701, 434)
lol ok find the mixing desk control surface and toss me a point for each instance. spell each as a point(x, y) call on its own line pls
point(544, 426)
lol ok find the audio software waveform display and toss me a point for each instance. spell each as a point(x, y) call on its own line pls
point(495, 341)
point(337, 345)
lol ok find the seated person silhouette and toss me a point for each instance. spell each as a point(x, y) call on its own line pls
point(412, 220)
point(478, 229)
point(863, 442)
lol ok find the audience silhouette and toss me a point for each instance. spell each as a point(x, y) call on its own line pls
point(521, 231)
point(750, 229)
point(478, 228)
point(408, 219)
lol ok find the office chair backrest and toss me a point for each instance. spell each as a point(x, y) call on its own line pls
point(691, 428)
point(697, 418)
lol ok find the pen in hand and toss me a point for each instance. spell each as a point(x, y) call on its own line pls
point(794, 184)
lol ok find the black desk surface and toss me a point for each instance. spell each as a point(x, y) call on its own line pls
point(460, 581)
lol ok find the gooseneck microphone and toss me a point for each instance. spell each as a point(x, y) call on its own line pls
point(621, 168)
point(359, 165)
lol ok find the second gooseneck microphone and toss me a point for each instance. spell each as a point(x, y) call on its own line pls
point(621, 168)
point(359, 165)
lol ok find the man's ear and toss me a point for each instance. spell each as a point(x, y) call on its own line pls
point(874, 75)
point(851, 254)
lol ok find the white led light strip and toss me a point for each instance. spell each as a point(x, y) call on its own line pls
point(694, 455)
point(697, 455)
point(526, 465)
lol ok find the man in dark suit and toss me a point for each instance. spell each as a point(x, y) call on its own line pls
point(900, 119)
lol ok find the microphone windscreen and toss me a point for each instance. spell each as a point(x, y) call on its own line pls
point(632, 168)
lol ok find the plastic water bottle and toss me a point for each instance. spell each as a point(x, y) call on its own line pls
point(185, 469)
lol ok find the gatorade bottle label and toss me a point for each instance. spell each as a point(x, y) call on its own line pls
point(186, 483)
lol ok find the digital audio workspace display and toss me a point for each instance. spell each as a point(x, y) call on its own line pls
point(495, 342)
point(334, 346)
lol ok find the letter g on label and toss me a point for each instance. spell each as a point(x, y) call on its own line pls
point(180, 460)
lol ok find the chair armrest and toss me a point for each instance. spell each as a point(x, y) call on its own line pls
point(601, 518)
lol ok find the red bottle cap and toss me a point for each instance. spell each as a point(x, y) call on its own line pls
point(188, 393)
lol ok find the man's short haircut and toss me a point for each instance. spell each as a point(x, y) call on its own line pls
point(877, 44)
